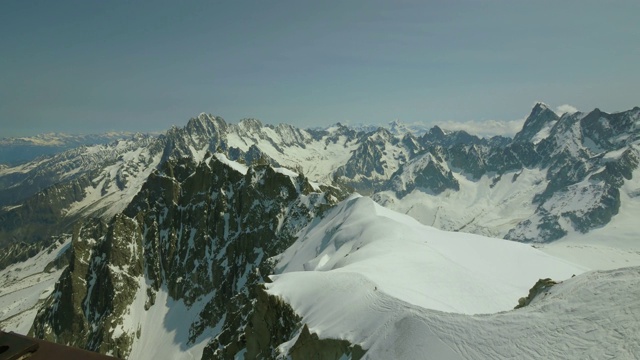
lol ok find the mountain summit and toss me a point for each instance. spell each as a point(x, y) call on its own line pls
point(541, 118)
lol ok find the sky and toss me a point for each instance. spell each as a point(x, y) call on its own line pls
point(91, 66)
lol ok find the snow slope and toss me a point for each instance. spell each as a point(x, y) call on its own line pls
point(164, 327)
point(615, 245)
point(319, 159)
point(591, 316)
point(403, 290)
point(489, 206)
point(104, 196)
point(424, 266)
point(24, 285)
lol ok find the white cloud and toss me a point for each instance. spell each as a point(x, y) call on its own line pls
point(485, 128)
point(566, 108)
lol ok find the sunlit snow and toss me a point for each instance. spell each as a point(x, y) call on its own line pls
point(381, 280)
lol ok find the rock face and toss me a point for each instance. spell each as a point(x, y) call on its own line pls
point(585, 160)
point(272, 322)
point(541, 118)
point(49, 195)
point(309, 346)
point(376, 158)
point(540, 287)
point(21, 182)
point(428, 173)
point(586, 157)
point(41, 215)
point(94, 293)
point(200, 233)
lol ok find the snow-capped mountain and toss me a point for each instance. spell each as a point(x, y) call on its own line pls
point(194, 238)
point(164, 241)
point(558, 176)
point(47, 196)
point(396, 127)
point(579, 155)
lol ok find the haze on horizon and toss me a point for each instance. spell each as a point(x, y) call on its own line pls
point(95, 66)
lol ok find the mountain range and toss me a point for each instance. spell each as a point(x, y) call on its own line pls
point(17, 150)
point(169, 241)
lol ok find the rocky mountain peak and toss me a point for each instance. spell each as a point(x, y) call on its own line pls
point(338, 128)
point(381, 135)
point(449, 138)
point(411, 143)
point(291, 135)
point(540, 106)
point(250, 125)
point(434, 135)
point(398, 127)
point(205, 125)
point(196, 234)
point(427, 173)
point(541, 117)
point(333, 133)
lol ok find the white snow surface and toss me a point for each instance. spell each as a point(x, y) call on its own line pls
point(241, 168)
point(591, 316)
point(164, 328)
point(319, 159)
point(104, 196)
point(544, 132)
point(404, 290)
point(424, 266)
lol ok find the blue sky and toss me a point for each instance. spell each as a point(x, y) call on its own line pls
point(92, 66)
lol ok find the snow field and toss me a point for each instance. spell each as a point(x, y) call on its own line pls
point(385, 281)
point(164, 328)
point(434, 269)
point(477, 207)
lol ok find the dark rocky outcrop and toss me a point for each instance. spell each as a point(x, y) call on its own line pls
point(201, 233)
point(42, 215)
point(309, 346)
point(541, 286)
point(94, 293)
point(539, 117)
point(271, 323)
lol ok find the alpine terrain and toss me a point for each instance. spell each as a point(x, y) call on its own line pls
point(14, 151)
point(247, 241)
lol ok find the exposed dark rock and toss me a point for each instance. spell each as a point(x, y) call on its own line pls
point(42, 215)
point(194, 231)
point(94, 293)
point(540, 287)
point(309, 346)
point(273, 322)
point(540, 117)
